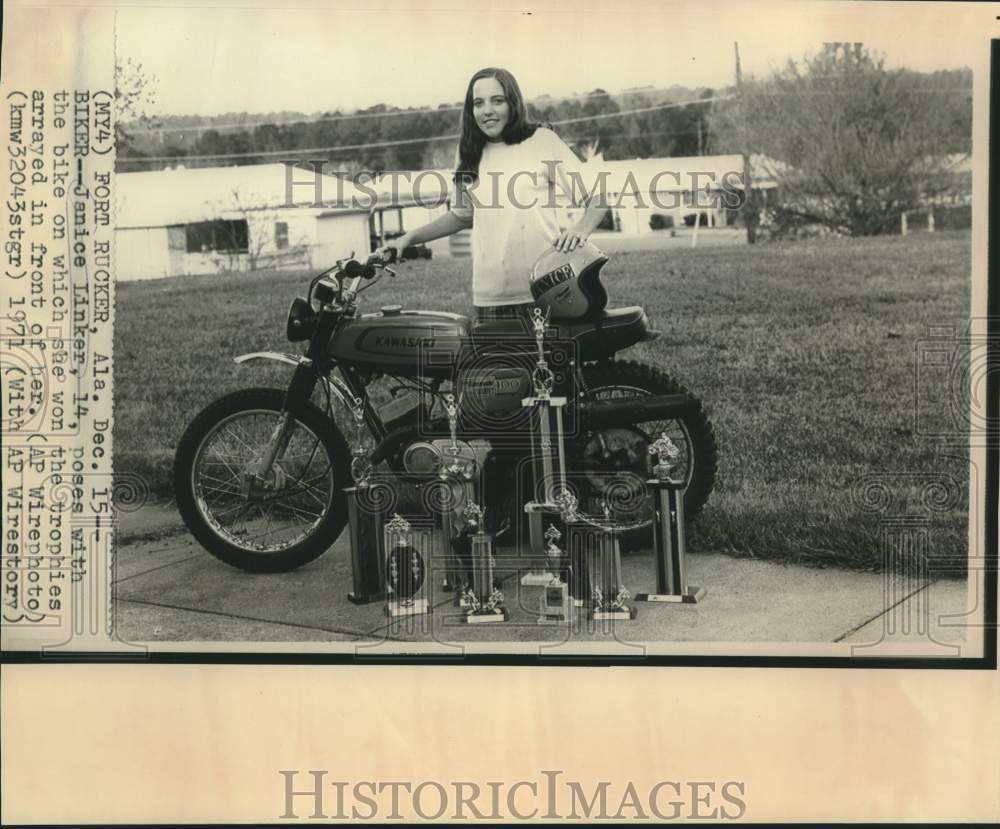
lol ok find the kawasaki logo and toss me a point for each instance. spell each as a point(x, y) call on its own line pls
point(402, 342)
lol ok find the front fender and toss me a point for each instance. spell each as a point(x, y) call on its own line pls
point(334, 385)
point(288, 359)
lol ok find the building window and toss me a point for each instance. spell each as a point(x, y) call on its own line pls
point(222, 235)
point(281, 235)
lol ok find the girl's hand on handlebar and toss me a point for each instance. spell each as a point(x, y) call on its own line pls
point(393, 251)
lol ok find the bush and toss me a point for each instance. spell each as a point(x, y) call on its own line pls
point(957, 217)
point(660, 221)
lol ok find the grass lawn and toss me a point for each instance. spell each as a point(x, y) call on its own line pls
point(804, 353)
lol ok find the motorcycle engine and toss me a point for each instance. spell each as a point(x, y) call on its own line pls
point(428, 457)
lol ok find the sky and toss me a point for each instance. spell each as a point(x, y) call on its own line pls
point(227, 58)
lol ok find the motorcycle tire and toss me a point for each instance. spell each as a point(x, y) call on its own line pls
point(210, 485)
point(693, 433)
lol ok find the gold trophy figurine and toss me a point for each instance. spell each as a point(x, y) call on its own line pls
point(542, 377)
point(668, 528)
point(667, 454)
point(454, 451)
point(361, 466)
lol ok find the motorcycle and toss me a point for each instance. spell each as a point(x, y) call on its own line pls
point(260, 474)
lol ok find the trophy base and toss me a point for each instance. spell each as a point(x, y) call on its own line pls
point(367, 598)
point(623, 614)
point(691, 595)
point(396, 610)
point(485, 617)
point(537, 579)
point(554, 619)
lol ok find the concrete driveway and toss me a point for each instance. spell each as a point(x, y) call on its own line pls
point(170, 592)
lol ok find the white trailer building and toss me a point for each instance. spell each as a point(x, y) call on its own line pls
point(215, 219)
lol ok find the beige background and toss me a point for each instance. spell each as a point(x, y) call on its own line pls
point(143, 743)
point(186, 743)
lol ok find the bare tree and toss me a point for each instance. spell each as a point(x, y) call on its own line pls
point(256, 248)
point(850, 143)
point(135, 92)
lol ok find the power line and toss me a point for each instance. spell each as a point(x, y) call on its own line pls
point(246, 125)
point(400, 142)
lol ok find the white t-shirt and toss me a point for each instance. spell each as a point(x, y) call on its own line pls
point(517, 207)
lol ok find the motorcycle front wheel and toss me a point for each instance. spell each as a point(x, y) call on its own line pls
point(262, 523)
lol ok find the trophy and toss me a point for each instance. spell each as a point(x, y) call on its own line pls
point(555, 604)
point(483, 602)
point(599, 548)
point(406, 567)
point(457, 477)
point(366, 503)
point(548, 454)
point(361, 466)
point(668, 529)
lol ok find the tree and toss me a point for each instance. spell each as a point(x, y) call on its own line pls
point(850, 143)
point(135, 91)
point(255, 246)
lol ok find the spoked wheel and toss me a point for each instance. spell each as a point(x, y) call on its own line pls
point(610, 466)
point(259, 517)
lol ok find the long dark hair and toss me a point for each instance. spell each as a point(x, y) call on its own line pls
point(519, 127)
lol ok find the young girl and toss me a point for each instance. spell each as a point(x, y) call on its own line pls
point(507, 169)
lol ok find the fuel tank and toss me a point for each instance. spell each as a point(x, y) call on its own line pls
point(403, 342)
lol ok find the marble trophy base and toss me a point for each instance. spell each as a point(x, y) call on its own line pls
point(417, 607)
point(485, 617)
point(623, 614)
point(555, 605)
point(691, 595)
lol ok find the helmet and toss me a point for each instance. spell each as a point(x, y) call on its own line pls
point(568, 285)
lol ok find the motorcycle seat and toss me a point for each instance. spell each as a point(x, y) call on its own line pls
point(610, 331)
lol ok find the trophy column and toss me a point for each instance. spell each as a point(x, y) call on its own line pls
point(595, 551)
point(668, 530)
point(457, 475)
point(548, 460)
point(365, 519)
point(482, 600)
point(366, 502)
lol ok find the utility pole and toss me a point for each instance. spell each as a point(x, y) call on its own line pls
point(749, 203)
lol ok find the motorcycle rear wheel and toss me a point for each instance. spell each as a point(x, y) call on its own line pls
point(617, 470)
point(267, 525)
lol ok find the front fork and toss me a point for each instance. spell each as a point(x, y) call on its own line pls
point(298, 394)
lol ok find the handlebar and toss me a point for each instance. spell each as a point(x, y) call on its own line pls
point(349, 273)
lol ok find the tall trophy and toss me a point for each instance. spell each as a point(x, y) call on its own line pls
point(457, 477)
point(406, 552)
point(668, 529)
point(548, 456)
point(482, 600)
point(366, 504)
